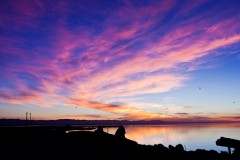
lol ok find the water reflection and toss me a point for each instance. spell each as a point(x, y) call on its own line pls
point(192, 136)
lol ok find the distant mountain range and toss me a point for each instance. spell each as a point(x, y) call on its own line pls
point(19, 122)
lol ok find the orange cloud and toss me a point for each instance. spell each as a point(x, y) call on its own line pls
point(122, 112)
point(141, 53)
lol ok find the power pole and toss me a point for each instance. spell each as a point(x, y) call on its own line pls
point(26, 119)
point(30, 122)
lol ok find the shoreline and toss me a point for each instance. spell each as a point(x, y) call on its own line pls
point(54, 141)
point(72, 122)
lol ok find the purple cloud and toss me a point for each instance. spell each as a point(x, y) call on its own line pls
point(48, 48)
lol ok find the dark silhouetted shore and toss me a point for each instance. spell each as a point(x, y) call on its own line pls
point(55, 143)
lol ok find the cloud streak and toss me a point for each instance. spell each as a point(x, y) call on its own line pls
point(85, 61)
point(122, 112)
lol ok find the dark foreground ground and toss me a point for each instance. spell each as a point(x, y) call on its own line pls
point(43, 143)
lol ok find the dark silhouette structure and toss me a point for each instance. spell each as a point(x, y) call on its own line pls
point(26, 119)
point(30, 119)
point(49, 142)
point(99, 130)
point(230, 143)
point(120, 133)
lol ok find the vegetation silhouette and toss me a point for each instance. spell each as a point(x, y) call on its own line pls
point(99, 130)
point(63, 143)
point(120, 133)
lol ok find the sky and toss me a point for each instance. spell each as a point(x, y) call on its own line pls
point(120, 59)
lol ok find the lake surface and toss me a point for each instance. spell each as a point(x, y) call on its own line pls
point(191, 136)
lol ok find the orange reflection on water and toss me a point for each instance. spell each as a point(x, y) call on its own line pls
point(192, 136)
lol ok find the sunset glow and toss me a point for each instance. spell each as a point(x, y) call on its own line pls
point(123, 59)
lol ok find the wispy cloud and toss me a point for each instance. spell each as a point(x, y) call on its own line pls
point(122, 112)
point(116, 53)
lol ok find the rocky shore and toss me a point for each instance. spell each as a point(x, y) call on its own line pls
point(39, 143)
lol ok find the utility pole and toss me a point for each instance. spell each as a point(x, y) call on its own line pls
point(26, 119)
point(30, 122)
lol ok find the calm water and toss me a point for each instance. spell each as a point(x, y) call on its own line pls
point(191, 136)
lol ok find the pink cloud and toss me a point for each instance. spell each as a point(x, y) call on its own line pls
point(106, 65)
point(120, 72)
point(122, 112)
point(32, 8)
point(149, 84)
point(17, 15)
point(17, 98)
point(189, 6)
